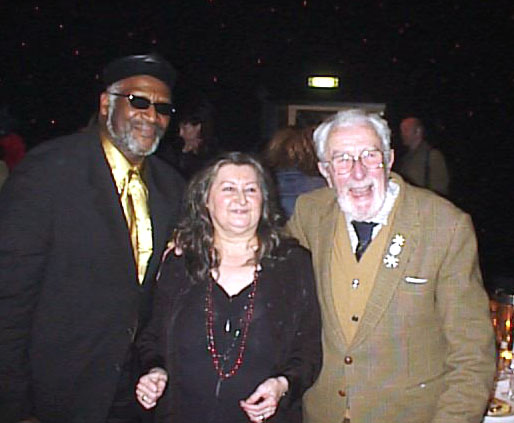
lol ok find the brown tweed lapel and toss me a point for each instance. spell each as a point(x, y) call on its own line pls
point(325, 242)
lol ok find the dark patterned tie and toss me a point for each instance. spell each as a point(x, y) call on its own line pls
point(364, 231)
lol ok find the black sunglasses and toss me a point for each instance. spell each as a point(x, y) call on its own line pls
point(142, 103)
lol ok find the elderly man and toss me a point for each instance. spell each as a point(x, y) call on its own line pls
point(83, 220)
point(422, 165)
point(406, 335)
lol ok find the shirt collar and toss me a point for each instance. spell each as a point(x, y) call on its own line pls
point(118, 163)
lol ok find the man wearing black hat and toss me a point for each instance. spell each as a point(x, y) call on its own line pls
point(83, 221)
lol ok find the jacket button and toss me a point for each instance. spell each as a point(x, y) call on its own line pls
point(341, 393)
point(348, 360)
point(132, 333)
point(117, 367)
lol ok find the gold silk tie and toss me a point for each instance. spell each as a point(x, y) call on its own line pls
point(134, 199)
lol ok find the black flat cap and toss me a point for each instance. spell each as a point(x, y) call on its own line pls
point(141, 64)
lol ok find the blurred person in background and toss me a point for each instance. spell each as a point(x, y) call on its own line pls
point(195, 142)
point(4, 170)
point(422, 165)
point(291, 157)
point(11, 142)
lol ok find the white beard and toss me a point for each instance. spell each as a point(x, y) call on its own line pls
point(125, 141)
point(354, 213)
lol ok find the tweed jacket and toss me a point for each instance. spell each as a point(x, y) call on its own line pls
point(70, 302)
point(424, 349)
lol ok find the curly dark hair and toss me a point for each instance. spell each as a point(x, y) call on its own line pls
point(195, 233)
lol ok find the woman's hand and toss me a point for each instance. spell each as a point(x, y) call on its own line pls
point(263, 403)
point(151, 386)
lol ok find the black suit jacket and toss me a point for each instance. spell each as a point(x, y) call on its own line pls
point(70, 303)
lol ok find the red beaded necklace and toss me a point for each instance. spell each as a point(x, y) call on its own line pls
point(209, 319)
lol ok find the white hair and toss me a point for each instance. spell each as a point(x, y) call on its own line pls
point(352, 117)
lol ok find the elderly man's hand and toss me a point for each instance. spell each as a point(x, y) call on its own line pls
point(151, 387)
point(263, 403)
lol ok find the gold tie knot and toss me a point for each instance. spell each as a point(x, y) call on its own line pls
point(134, 176)
point(135, 187)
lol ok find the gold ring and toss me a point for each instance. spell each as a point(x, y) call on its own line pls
point(144, 398)
point(263, 418)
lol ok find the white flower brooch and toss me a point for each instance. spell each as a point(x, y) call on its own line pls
point(391, 260)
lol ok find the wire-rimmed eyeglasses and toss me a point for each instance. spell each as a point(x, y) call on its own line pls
point(370, 159)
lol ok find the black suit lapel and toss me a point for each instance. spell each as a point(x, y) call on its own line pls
point(160, 211)
point(106, 200)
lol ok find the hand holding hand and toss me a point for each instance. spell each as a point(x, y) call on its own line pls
point(151, 387)
point(263, 402)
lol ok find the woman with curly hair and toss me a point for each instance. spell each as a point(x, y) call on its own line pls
point(236, 329)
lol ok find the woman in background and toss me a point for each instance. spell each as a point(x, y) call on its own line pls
point(290, 155)
point(197, 143)
point(192, 143)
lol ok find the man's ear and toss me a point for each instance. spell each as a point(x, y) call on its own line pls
point(322, 167)
point(391, 160)
point(104, 104)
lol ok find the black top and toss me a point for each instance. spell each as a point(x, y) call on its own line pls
point(283, 339)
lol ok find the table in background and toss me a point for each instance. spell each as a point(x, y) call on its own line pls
point(501, 387)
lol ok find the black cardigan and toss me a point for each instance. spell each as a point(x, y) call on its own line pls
point(286, 291)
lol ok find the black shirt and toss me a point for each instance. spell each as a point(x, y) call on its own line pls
point(283, 339)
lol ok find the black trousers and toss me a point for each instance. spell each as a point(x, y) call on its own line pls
point(125, 408)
